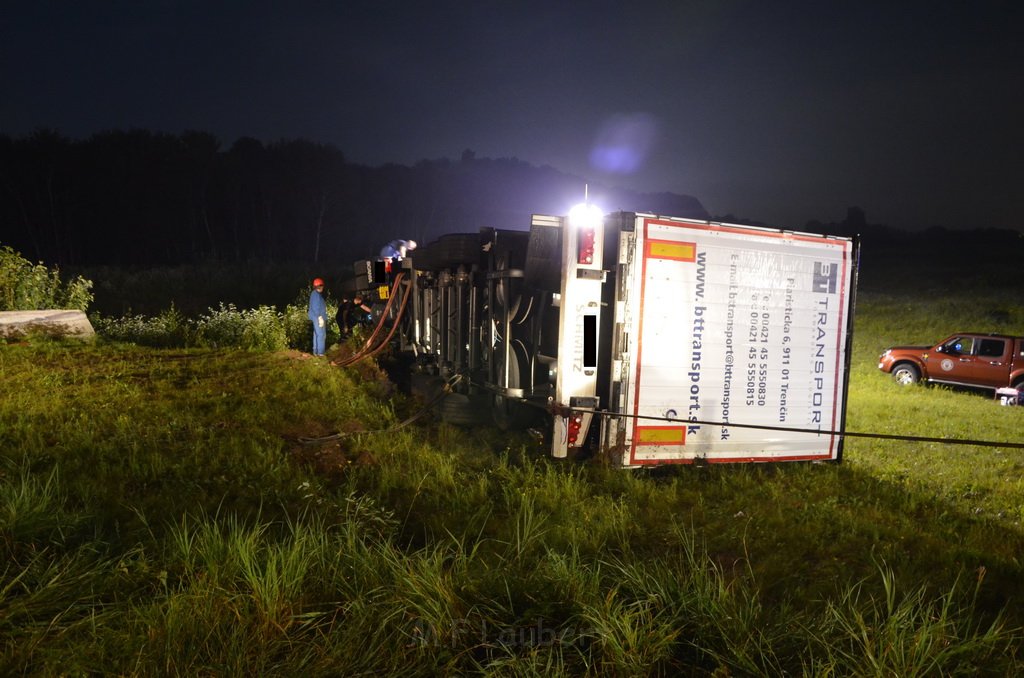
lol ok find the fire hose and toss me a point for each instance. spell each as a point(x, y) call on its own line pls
point(370, 347)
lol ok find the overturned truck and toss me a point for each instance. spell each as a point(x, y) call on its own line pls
point(647, 339)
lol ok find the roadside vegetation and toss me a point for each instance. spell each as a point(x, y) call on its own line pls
point(194, 509)
point(25, 286)
point(258, 329)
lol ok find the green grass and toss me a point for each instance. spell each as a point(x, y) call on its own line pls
point(162, 514)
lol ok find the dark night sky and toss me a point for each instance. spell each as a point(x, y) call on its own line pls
point(776, 111)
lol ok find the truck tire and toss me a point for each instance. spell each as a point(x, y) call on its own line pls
point(543, 268)
point(906, 374)
point(459, 409)
point(448, 251)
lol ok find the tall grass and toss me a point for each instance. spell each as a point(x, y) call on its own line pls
point(910, 633)
point(208, 511)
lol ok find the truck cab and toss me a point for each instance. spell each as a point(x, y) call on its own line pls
point(972, 359)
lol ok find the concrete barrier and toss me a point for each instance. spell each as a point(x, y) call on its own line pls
point(49, 322)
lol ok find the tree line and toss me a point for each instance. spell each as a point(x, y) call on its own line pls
point(144, 198)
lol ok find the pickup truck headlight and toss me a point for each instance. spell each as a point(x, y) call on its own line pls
point(883, 359)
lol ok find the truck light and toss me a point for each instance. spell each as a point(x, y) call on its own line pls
point(575, 424)
point(585, 215)
point(585, 241)
point(585, 218)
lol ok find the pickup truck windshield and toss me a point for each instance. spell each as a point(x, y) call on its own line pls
point(960, 345)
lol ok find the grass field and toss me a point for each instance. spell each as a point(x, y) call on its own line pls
point(172, 512)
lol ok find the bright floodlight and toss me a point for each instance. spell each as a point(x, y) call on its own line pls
point(585, 215)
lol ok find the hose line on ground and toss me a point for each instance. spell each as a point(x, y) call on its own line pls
point(369, 348)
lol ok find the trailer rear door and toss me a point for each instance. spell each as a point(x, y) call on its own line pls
point(730, 328)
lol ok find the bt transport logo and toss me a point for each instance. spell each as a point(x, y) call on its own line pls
point(825, 276)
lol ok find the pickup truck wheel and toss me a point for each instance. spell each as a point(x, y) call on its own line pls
point(905, 374)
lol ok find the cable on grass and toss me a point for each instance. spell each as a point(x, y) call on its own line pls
point(566, 410)
point(825, 432)
point(367, 351)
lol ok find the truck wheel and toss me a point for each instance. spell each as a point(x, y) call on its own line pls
point(905, 374)
point(460, 409)
point(448, 251)
point(457, 248)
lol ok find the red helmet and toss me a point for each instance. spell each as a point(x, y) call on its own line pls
point(318, 282)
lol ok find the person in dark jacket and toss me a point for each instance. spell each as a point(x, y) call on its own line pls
point(355, 312)
point(318, 316)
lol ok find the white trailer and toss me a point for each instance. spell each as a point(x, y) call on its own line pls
point(731, 343)
point(647, 339)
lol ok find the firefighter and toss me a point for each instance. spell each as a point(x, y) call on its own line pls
point(396, 250)
point(355, 312)
point(318, 316)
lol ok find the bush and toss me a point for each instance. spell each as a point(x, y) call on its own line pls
point(297, 327)
point(170, 329)
point(264, 330)
point(28, 287)
point(221, 328)
point(260, 328)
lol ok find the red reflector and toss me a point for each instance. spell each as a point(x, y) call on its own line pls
point(586, 246)
point(575, 423)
